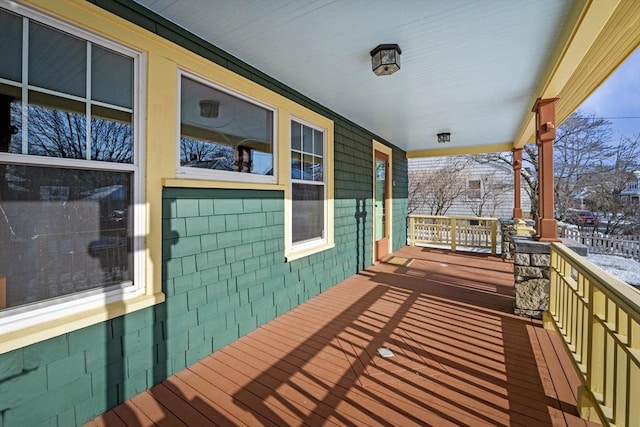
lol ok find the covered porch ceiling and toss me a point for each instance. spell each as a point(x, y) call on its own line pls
point(471, 68)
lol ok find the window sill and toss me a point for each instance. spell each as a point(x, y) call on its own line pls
point(22, 337)
point(223, 176)
point(202, 183)
point(295, 254)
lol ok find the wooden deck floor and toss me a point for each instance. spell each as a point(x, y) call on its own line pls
point(460, 358)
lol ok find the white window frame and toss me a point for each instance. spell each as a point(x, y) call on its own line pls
point(310, 244)
point(187, 172)
point(43, 312)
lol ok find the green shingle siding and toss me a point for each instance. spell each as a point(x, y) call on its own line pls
point(224, 274)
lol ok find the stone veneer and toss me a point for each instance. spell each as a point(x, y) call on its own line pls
point(531, 260)
point(508, 229)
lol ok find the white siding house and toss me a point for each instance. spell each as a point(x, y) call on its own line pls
point(488, 187)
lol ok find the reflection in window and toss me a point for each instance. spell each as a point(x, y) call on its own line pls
point(222, 132)
point(308, 187)
point(307, 148)
point(11, 46)
point(57, 60)
point(196, 153)
point(307, 208)
point(64, 231)
point(112, 77)
point(111, 135)
point(57, 132)
point(63, 119)
point(10, 121)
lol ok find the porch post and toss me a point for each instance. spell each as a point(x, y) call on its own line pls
point(545, 109)
point(517, 168)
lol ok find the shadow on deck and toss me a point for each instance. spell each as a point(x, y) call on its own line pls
point(460, 358)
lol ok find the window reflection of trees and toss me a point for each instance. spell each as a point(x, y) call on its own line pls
point(204, 154)
point(111, 141)
point(65, 230)
point(57, 133)
point(54, 133)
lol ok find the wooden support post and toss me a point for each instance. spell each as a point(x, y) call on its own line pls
point(547, 228)
point(517, 176)
point(412, 232)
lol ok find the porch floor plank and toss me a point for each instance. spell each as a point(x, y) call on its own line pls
point(460, 358)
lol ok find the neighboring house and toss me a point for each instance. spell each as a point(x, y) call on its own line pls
point(168, 230)
point(631, 194)
point(486, 184)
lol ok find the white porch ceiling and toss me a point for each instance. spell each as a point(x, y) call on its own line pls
point(469, 67)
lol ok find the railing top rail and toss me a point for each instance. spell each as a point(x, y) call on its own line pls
point(473, 218)
point(625, 294)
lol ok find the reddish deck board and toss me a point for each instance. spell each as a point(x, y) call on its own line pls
point(461, 358)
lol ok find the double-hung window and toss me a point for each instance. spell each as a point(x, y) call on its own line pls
point(308, 185)
point(69, 168)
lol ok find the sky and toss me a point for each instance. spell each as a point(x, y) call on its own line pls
point(619, 96)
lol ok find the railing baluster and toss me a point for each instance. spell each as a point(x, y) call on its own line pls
point(599, 319)
point(454, 231)
point(412, 230)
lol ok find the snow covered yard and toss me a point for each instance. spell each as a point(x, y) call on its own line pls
point(624, 268)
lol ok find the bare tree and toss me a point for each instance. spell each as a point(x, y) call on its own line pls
point(529, 170)
point(581, 146)
point(416, 191)
point(604, 183)
point(435, 190)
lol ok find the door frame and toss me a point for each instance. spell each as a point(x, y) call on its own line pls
point(381, 148)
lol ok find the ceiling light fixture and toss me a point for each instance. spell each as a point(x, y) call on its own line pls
point(385, 59)
point(209, 108)
point(444, 137)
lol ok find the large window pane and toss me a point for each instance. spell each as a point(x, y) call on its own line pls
point(57, 126)
point(63, 231)
point(307, 212)
point(57, 61)
point(10, 46)
point(111, 77)
point(220, 131)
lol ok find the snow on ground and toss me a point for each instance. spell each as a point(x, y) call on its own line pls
point(624, 268)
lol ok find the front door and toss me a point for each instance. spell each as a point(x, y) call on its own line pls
point(382, 206)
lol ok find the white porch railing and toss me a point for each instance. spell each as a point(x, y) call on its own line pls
point(474, 232)
point(626, 246)
point(598, 316)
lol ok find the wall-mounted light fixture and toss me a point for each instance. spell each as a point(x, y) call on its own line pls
point(385, 59)
point(209, 108)
point(444, 137)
